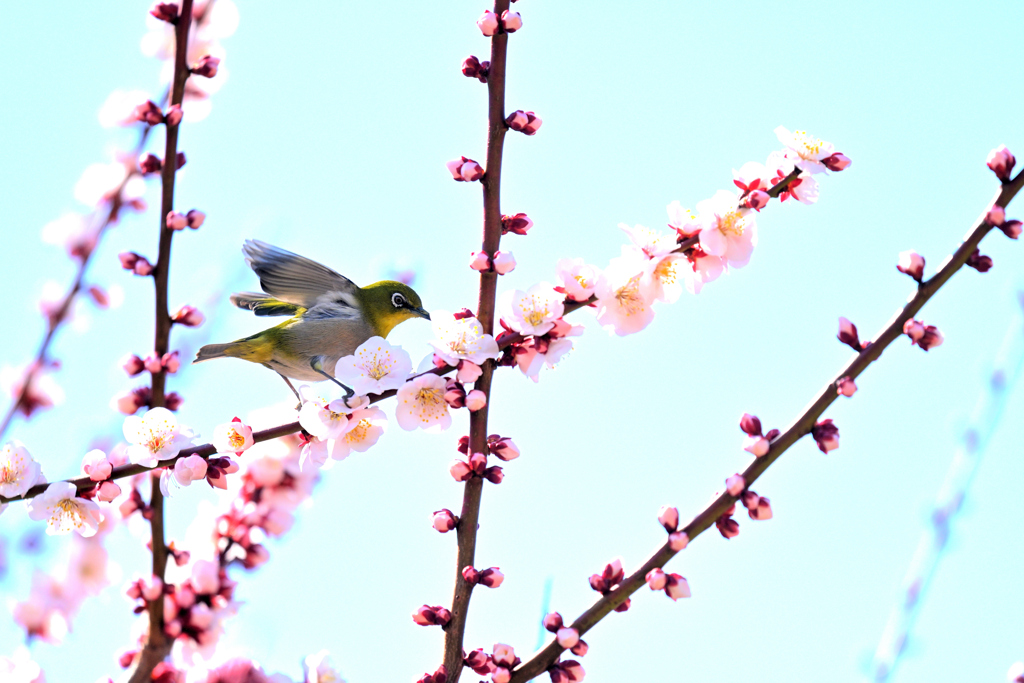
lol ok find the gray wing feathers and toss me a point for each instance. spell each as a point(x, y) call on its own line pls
point(296, 279)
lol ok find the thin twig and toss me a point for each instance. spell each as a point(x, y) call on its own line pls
point(801, 427)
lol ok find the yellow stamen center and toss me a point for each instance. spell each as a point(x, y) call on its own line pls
point(731, 224)
point(65, 514)
point(628, 296)
point(236, 440)
point(358, 433)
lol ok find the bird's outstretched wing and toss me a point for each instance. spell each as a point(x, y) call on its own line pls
point(262, 304)
point(298, 280)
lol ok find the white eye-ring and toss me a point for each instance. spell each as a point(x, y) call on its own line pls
point(397, 300)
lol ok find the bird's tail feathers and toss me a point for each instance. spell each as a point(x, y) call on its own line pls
point(263, 304)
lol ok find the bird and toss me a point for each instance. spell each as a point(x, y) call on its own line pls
point(329, 315)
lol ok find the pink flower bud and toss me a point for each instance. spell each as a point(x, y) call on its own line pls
point(511, 21)
point(468, 371)
point(1001, 162)
point(501, 675)
point(503, 448)
point(495, 475)
point(677, 587)
point(132, 261)
point(165, 11)
point(180, 160)
point(579, 649)
point(132, 364)
point(979, 261)
point(480, 261)
point(129, 402)
point(173, 401)
point(756, 446)
point(553, 622)
point(491, 577)
point(826, 435)
point(170, 362)
point(846, 387)
point(504, 655)
point(567, 637)
point(488, 23)
point(727, 526)
point(460, 471)
point(475, 400)
point(517, 120)
point(678, 540)
point(207, 67)
point(455, 394)
point(837, 162)
point(479, 661)
point(669, 518)
point(911, 263)
point(431, 616)
point(913, 329)
point(173, 116)
point(471, 171)
point(152, 589)
point(518, 224)
point(176, 221)
point(444, 520)
point(152, 363)
point(149, 163)
point(931, 338)
point(996, 215)
point(762, 511)
point(848, 335)
point(656, 579)
point(749, 499)
point(504, 262)
point(189, 316)
point(471, 575)
point(148, 112)
point(474, 68)
point(533, 124)
point(195, 218)
point(107, 491)
point(1011, 229)
point(735, 484)
point(750, 424)
point(758, 199)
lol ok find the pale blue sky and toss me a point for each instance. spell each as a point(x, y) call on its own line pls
point(330, 138)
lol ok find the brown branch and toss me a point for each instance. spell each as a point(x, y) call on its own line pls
point(800, 428)
point(158, 645)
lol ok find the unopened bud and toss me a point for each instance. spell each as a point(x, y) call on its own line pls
point(678, 540)
point(444, 520)
point(826, 435)
point(756, 446)
point(475, 400)
point(913, 329)
point(504, 262)
point(735, 484)
point(837, 162)
point(207, 67)
point(519, 224)
point(149, 163)
point(180, 159)
point(931, 338)
point(480, 261)
point(758, 199)
point(848, 335)
point(148, 112)
point(656, 579)
point(996, 215)
point(668, 516)
point(1011, 229)
point(552, 622)
point(517, 119)
point(511, 21)
point(750, 424)
point(165, 11)
point(762, 511)
point(911, 263)
point(567, 637)
point(132, 364)
point(474, 68)
point(845, 387)
point(488, 23)
point(195, 218)
point(189, 316)
point(979, 261)
point(1001, 162)
point(176, 221)
point(173, 116)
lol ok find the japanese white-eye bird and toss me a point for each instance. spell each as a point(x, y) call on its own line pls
point(330, 315)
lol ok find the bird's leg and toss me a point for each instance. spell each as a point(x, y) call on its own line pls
point(289, 383)
point(318, 367)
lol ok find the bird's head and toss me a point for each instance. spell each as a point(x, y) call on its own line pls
point(388, 303)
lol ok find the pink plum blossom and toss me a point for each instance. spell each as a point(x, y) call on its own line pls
point(461, 339)
point(325, 419)
point(64, 511)
point(320, 668)
point(367, 426)
point(647, 242)
point(532, 312)
point(579, 279)
point(18, 470)
point(375, 367)
point(155, 436)
point(727, 230)
point(685, 222)
point(72, 232)
point(19, 668)
point(703, 269)
point(622, 306)
point(421, 403)
point(665, 276)
point(96, 465)
point(807, 151)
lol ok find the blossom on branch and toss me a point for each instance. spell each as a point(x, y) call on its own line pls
point(64, 511)
point(579, 279)
point(622, 306)
point(532, 312)
point(807, 150)
point(461, 339)
point(727, 230)
point(375, 367)
point(421, 404)
point(18, 470)
point(366, 427)
point(155, 436)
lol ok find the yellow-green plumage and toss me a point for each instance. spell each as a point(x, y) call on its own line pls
point(330, 315)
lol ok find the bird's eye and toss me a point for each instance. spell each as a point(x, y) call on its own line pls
point(397, 300)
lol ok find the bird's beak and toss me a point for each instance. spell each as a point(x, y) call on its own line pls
point(420, 312)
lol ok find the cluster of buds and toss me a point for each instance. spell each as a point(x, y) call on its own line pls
point(234, 537)
point(474, 68)
point(726, 525)
point(190, 610)
point(979, 261)
point(456, 396)
point(501, 263)
point(498, 664)
point(490, 24)
point(439, 676)
point(758, 507)
point(206, 67)
point(925, 336)
point(490, 577)
point(848, 335)
point(756, 443)
point(996, 217)
point(444, 520)
point(517, 224)
point(753, 195)
point(668, 517)
point(193, 219)
point(154, 363)
point(465, 170)
point(674, 585)
point(567, 637)
point(568, 671)
point(135, 263)
point(432, 616)
point(99, 468)
point(501, 447)
point(149, 113)
point(150, 163)
point(523, 121)
point(475, 466)
point(129, 402)
point(146, 591)
point(189, 316)
point(531, 353)
point(826, 435)
point(610, 577)
point(1001, 161)
point(911, 263)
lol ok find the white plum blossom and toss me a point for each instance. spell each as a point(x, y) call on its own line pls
point(728, 231)
point(421, 404)
point(650, 243)
point(325, 419)
point(682, 220)
point(319, 668)
point(531, 360)
point(185, 471)
point(155, 436)
point(806, 150)
point(532, 312)
point(622, 306)
point(19, 668)
point(18, 471)
point(461, 339)
point(375, 367)
point(578, 279)
point(702, 270)
point(64, 510)
point(367, 427)
point(664, 276)
point(232, 437)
